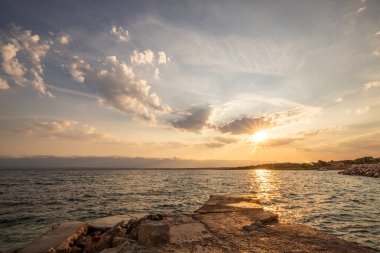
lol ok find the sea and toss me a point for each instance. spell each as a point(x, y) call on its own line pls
point(31, 200)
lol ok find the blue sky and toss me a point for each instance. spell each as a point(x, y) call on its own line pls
point(190, 79)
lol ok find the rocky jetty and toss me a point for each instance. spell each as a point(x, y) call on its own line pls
point(228, 223)
point(368, 170)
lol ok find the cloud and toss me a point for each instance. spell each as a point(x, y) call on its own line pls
point(363, 6)
point(141, 58)
point(370, 85)
point(362, 110)
point(218, 142)
point(377, 34)
point(195, 119)
point(59, 129)
point(225, 140)
point(117, 87)
point(11, 65)
point(259, 55)
point(246, 125)
point(363, 144)
point(339, 100)
point(214, 145)
point(64, 39)
point(78, 69)
point(275, 142)
point(120, 34)
point(3, 84)
point(34, 49)
point(156, 74)
point(162, 58)
point(361, 9)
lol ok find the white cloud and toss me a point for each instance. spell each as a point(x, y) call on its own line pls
point(377, 34)
point(3, 84)
point(11, 65)
point(156, 74)
point(339, 99)
point(362, 110)
point(361, 9)
point(78, 69)
point(162, 58)
point(64, 39)
point(119, 33)
point(117, 87)
point(35, 50)
point(370, 85)
point(141, 58)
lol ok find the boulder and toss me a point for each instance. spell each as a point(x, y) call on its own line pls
point(153, 234)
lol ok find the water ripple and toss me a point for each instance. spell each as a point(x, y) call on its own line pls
point(31, 200)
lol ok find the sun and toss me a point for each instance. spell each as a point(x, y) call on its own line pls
point(259, 136)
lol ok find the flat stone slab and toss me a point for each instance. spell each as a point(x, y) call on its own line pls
point(59, 235)
point(110, 221)
point(229, 203)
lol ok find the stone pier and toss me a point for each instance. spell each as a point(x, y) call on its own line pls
point(225, 223)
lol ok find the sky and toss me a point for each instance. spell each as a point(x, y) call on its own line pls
point(191, 79)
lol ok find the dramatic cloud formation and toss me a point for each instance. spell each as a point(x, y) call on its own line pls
point(35, 50)
point(141, 58)
point(195, 119)
point(370, 85)
point(246, 125)
point(119, 33)
point(3, 84)
point(119, 88)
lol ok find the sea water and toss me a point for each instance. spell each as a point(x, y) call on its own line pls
point(31, 200)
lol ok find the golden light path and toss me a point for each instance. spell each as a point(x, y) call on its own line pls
point(267, 186)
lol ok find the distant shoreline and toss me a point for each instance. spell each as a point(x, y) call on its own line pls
point(108, 168)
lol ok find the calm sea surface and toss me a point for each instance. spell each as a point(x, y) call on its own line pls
point(32, 199)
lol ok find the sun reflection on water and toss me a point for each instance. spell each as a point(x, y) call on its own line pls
point(268, 189)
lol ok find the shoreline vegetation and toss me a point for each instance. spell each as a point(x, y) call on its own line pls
point(225, 223)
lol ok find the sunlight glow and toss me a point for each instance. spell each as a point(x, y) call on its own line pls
point(259, 136)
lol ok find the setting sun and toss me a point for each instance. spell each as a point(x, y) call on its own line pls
point(259, 136)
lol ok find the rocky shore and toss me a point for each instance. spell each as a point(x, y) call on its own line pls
point(368, 170)
point(228, 223)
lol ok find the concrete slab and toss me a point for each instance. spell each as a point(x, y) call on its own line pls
point(60, 235)
point(110, 221)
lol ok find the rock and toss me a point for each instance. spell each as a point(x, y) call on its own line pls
point(153, 234)
point(253, 226)
point(75, 249)
point(368, 170)
point(116, 241)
